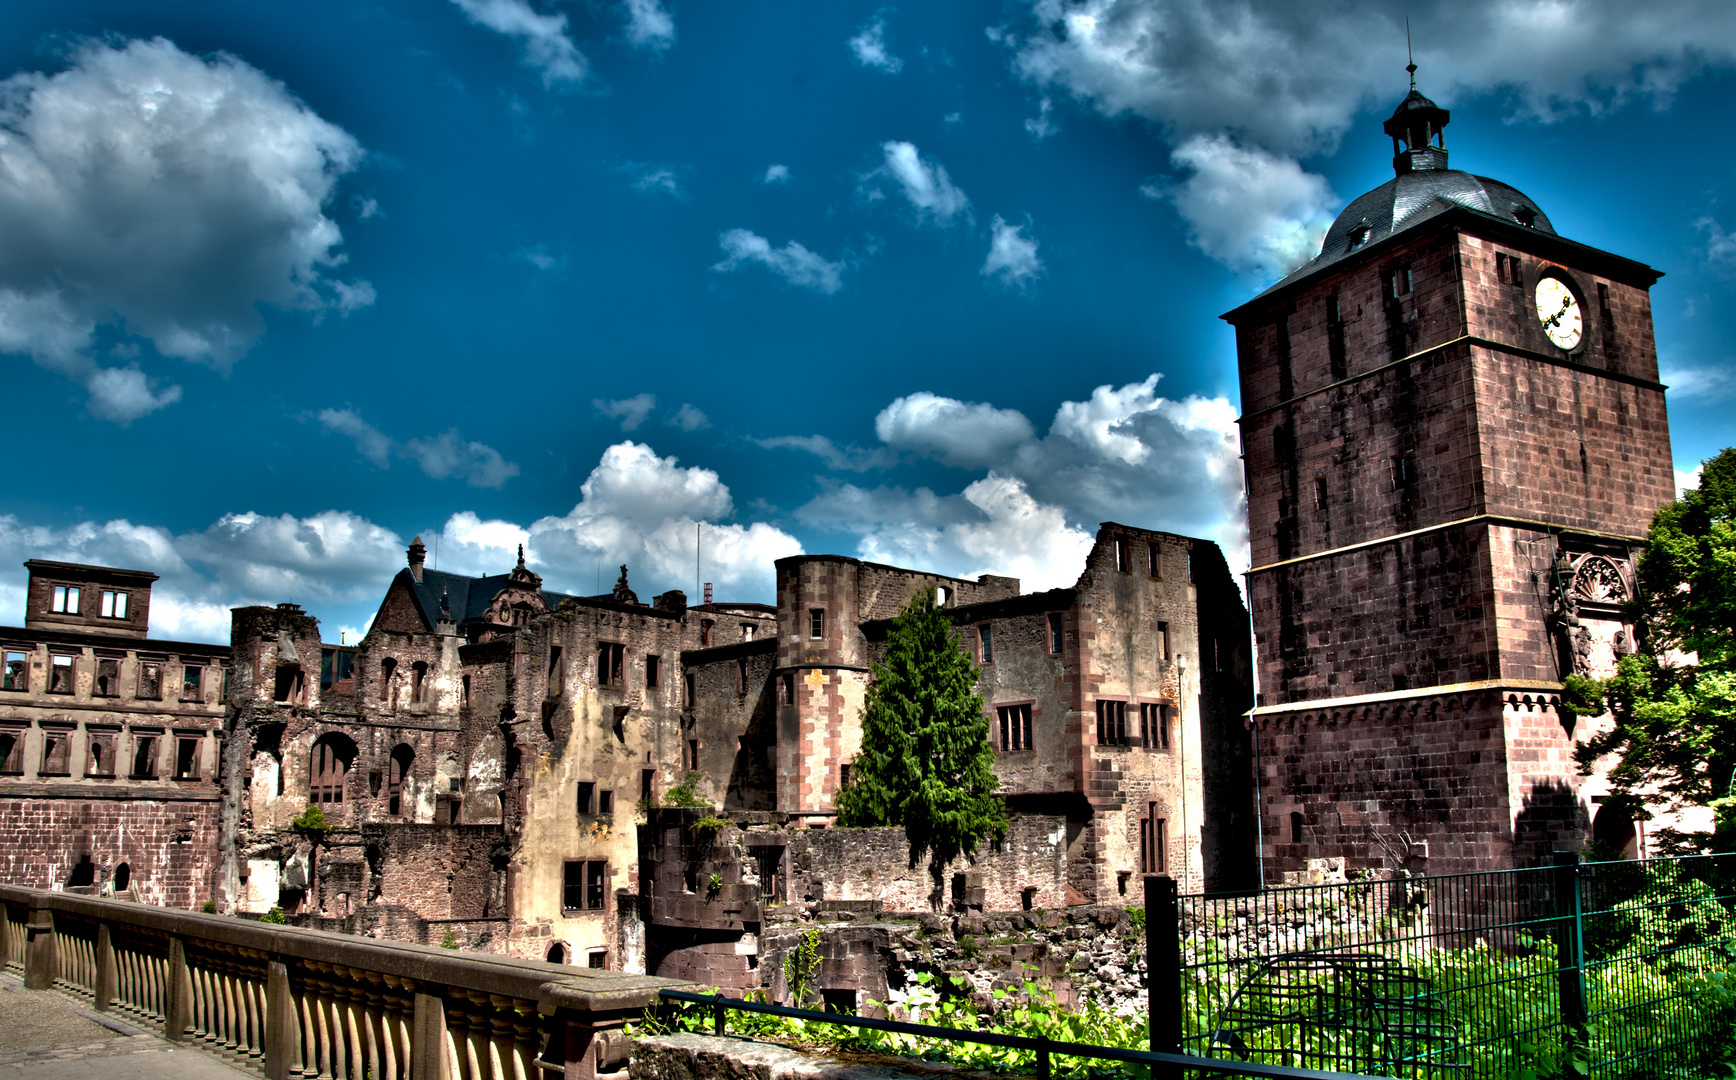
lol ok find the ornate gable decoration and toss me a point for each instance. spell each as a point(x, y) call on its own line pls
point(1599, 580)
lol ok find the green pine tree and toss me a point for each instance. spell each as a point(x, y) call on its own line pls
point(926, 762)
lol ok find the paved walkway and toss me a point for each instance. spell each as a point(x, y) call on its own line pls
point(47, 1036)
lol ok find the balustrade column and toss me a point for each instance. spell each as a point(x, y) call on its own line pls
point(281, 1028)
point(428, 1054)
point(39, 958)
point(178, 1012)
point(107, 982)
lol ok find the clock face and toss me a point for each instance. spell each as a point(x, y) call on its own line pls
point(1558, 308)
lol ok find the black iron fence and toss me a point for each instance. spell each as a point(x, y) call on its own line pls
point(1605, 969)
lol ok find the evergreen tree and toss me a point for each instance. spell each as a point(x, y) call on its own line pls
point(926, 762)
point(1675, 723)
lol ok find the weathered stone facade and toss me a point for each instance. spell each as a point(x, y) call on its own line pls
point(1445, 506)
point(109, 742)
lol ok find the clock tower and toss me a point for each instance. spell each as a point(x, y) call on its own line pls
point(1454, 439)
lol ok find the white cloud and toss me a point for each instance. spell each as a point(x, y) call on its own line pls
point(649, 25)
point(1688, 481)
point(1720, 246)
point(169, 196)
point(440, 456)
point(851, 458)
point(547, 48)
point(688, 418)
point(630, 411)
point(1249, 209)
point(649, 179)
point(869, 48)
point(1012, 255)
point(776, 174)
point(1041, 126)
point(643, 510)
point(1708, 383)
point(539, 256)
point(792, 262)
point(1286, 80)
point(962, 434)
point(925, 183)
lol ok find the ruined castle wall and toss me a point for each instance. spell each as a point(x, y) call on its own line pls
point(168, 844)
point(1027, 869)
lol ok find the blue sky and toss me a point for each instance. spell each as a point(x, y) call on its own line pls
point(284, 285)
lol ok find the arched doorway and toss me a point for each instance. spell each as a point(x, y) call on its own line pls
point(557, 953)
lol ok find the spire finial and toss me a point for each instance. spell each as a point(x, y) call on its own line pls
point(1409, 56)
point(521, 556)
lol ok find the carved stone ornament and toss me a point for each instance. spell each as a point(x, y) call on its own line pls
point(1599, 580)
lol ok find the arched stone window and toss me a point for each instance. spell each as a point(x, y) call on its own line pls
point(123, 878)
point(418, 681)
point(388, 668)
point(396, 770)
point(330, 762)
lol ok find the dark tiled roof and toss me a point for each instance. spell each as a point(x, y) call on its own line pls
point(467, 597)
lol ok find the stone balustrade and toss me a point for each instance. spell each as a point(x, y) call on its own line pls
point(291, 1002)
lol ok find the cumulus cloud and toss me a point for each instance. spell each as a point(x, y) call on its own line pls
point(1688, 481)
point(441, 456)
point(169, 196)
point(1251, 210)
point(923, 182)
point(649, 179)
point(792, 262)
point(630, 411)
point(868, 46)
point(1125, 453)
point(850, 458)
point(776, 174)
point(1279, 79)
point(958, 433)
point(1704, 382)
point(687, 418)
point(649, 25)
point(642, 509)
point(1012, 255)
point(547, 48)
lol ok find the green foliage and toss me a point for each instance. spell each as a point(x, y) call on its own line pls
point(802, 967)
point(274, 916)
point(685, 795)
point(714, 885)
point(1675, 724)
point(450, 940)
point(1136, 920)
point(926, 762)
point(311, 820)
point(1580, 696)
point(209, 907)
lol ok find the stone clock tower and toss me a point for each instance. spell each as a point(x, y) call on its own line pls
point(1454, 439)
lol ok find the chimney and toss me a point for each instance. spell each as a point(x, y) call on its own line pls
point(418, 554)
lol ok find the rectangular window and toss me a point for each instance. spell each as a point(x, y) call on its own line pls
point(610, 657)
point(557, 672)
point(693, 754)
point(65, 600)
point(741, 675)
point(114, 604)
point(1153, 841)
point(653, 671)
point(11, 751)
point(1121, 557)
point(287, 688)
point(598, 959)
point(596, 884)
point(844, 775)
point(1112, 723)
point(691, 690)
point(605, 802)
point(747, 630)
point(1015, 723)
point(1399, 281)
point(1320, 493)
point(1057, 634)
point(1154, 725)
point(464, 684)
point(586, 789)
point(816, 623)
point(16, 674)
point(187, 759)
point(647, 780)
point(192, 678)
point(54, 753)
point(573, 886)
point(789, 684)
point(705, 633)
point(60, 675)
point(1404, 469)
point(1154, 559)
point(108, 678)
point(99, 755)
point(1163, 641)
point(144, 757)
point(986, 639)
point(150, 680)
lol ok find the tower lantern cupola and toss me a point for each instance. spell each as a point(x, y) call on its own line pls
point(1415, 128)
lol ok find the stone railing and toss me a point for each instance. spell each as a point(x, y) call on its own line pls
point(307, 1003)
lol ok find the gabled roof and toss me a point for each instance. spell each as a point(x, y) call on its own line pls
point(467, 598)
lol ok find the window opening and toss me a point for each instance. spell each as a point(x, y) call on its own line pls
point(557, 954)
point(653, 671)
point(288, 688)
point(573, 886)
point(844, 775)
point(789, 684)
point(1335, 340)
point(99, 756)
point(596, 884)
point(747, 630)
point(1057, 638)
point(605, 802)
point(464, 682)
point(418, 681)
point(144, 757)
point(557, 672)
point(1163, 641)
point(388, 668)
point(16, 675)
point(108, 678)
point(397, 769)
point(60, 675)
point(693, 754)
point(705, 633)
point(985, 638)
point(150, 680)
point(65, 600)
point(1403, 469)
point(11, 752)
point(816, 623)
point(1154, 559)
point(741, 675)
point(1154, 725)
point(191, 678)
point(942, 596)
point(123, 878)
point(54, 753)
point(647, 780)
point(114, 604)
point(1399, 281)
point(330, 762)
point(187, 759)
point(1015, 726)
point(1121, 561)
point(1112, 723)
point(610, 658)
point(598, 959)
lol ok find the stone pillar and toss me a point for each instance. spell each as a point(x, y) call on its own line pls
point(428, 1038)
point(178, 1018)
point(39, 953)
point(107, 975)
point(581, 1051)
point(282, 1027)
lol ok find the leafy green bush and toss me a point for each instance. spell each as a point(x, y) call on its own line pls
point(450, 941)
point(311, 820)
point(685, 795)
point(209, 907)
point(274, 917)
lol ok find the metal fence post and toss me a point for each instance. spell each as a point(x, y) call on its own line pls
point(1163, 967)
point(1570, 946)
